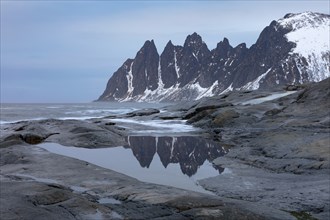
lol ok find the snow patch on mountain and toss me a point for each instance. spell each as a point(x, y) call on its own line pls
point(228, 89)
point(311, 34)
point(255, 84)
point(159, 94)
point(195, 56)
point(177, 68)
point(160, 81)
point(130, 87)
point(204, 92)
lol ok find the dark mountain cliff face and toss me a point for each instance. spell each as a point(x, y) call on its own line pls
point(222, 63)
point(169, 63)
point(265, 55)
point(292, 50)
point(118, 85)
point(194, 55)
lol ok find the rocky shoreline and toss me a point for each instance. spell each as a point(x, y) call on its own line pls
point(277, 166)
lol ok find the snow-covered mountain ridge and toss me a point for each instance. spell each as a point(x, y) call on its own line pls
point(311, 33)
point(293, 50)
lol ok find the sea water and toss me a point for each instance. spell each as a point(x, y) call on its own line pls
point(17, 112)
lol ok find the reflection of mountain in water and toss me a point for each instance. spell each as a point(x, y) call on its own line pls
point(190, 152)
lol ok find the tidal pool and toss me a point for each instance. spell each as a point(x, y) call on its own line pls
point(173, 161)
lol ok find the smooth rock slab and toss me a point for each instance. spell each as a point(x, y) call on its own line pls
point(46, 186)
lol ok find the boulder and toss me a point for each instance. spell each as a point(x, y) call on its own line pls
point(224, 118)
point(143, 112)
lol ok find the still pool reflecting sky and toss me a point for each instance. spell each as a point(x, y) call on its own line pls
point(173, 161)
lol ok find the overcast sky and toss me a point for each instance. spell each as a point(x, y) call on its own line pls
point(65, 51)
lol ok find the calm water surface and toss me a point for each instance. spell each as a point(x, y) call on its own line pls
point(173, 161)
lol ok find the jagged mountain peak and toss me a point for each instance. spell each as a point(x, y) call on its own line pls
point(223, 47)
point(148, 45)
point(169, 46)
point(195, 49)
point(224, 43)
point(241, 46)
point(151, 42)
point(291, 50)
point(193, 37)
point(193, 41)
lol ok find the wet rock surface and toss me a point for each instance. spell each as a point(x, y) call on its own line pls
point(143, 112)
point(277, 166)
point(89, 134)
point(280, 151)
